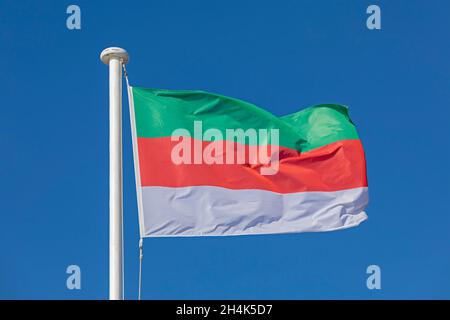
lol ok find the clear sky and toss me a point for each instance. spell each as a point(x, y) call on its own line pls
point(280, 55)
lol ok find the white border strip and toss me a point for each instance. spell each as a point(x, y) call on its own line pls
point(137, 171)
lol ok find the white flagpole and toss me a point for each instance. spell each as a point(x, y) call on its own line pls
point(115, 57)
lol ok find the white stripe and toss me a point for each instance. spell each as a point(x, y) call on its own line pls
point(215, 211)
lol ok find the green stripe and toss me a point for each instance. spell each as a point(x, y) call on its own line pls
point(160, 112)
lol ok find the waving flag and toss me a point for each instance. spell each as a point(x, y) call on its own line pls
point(210, 165)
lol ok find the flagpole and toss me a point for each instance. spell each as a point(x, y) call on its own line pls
point(115, 57)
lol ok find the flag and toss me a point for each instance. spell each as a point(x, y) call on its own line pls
point(211, 165)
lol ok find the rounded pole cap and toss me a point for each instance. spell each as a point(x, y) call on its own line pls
point(111, 52)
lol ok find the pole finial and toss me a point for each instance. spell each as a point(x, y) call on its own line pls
point(111, 52)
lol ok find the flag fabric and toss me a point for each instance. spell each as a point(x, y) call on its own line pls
point(211, 165)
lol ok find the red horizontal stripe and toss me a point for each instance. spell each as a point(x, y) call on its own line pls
point(336, 166)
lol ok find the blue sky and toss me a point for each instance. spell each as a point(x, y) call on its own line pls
point(280, 55)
